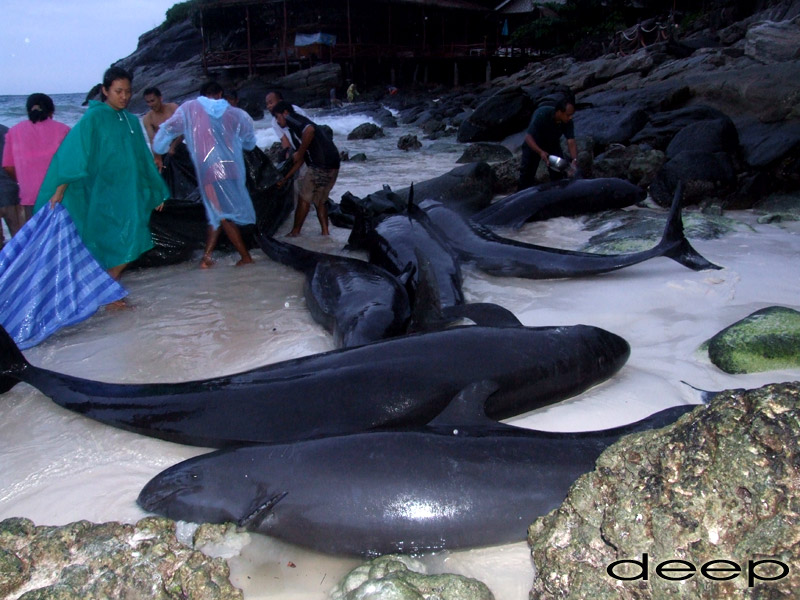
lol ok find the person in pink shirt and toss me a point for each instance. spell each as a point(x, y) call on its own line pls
point(29, 148)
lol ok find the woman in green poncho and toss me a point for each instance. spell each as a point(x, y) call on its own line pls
point(105, 176)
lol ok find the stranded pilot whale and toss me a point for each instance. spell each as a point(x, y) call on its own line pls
point(496, 255)
point(396, 241)
point(461, 482)
point(566, 198)
point(399, 382)
point(356, 301)
point(359, 302)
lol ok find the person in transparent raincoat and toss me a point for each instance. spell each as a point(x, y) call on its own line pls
point(216, 133)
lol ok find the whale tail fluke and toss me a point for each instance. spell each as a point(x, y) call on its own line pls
point(287, 254)
point(11, 362)
point(679, 248)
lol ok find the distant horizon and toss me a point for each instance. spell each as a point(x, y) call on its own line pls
point(56, 47)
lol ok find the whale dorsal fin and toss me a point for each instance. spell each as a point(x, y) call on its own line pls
point(486, 314)
point(467, 410)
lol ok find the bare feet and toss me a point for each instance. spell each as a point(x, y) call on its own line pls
point(244, 261)
point(293, 234)
point(120, 304)
point(206, 262)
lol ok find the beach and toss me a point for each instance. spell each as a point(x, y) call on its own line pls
point(185, 324)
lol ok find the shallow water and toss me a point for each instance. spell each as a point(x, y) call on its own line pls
point(58, 467)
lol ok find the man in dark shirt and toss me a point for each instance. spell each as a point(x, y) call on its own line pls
point(320, 154)
point(543, 139)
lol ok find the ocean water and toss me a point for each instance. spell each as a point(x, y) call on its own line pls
point(59, 467)
point(385, 159)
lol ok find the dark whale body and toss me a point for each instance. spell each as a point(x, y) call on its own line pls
point(566, 198)
point(496, 255)
point(396, 242)
point(400, 382)
point(356, 301)
point(446, 486)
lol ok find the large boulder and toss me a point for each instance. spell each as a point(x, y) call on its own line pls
point(366, 131)
point(710, 135)
point(765, 145)
point(485, 151)
point(311, 83)
point(466, 189)
point(766, 340)
point(408, 142)
point(404, 578)
point(664, 126)
point(706, 175)
point(638, 164)
point(610, 124)
point(771, 42)
point(507, 111)
point(108, 560)
point(722, 483)
point(168, 59)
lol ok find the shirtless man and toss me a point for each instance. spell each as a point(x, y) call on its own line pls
point(158, 113)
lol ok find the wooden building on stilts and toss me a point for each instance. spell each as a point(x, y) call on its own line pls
point(376, 42)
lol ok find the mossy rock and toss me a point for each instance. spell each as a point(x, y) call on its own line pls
point(400, 578)
point(767, 340)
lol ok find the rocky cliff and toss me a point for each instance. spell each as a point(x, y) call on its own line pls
point(717, 105)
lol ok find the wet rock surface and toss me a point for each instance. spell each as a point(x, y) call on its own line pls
point(766, 340)
point(621, 231)
point(723, 483)
point(89, 561)
point(402, 578)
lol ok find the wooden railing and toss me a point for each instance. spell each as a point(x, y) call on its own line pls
point(274, 57)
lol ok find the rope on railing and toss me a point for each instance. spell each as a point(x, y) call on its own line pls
point(629, 40)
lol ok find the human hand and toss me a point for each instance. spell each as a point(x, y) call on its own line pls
point(159, 162)
point(160, 207)
point(56, 199)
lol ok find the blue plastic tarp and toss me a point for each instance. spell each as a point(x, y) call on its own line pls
point(308, 39)
point(48, 279)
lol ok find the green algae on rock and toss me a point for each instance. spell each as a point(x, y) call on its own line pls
point(766, 340)
point(624, 231)
point(88, 561)
point(722, 483)
point(400, 578)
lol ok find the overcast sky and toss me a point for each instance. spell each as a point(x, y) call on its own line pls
point(62, 46)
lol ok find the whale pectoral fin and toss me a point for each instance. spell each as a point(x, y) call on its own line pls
point(254, 517)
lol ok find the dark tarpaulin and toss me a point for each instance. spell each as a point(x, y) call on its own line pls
point(181, 227)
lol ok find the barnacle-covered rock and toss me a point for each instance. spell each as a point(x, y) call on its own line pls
point(722, 483)
point(402, 578)
point(88, 561)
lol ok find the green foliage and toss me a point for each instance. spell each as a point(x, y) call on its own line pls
point(180, 11)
